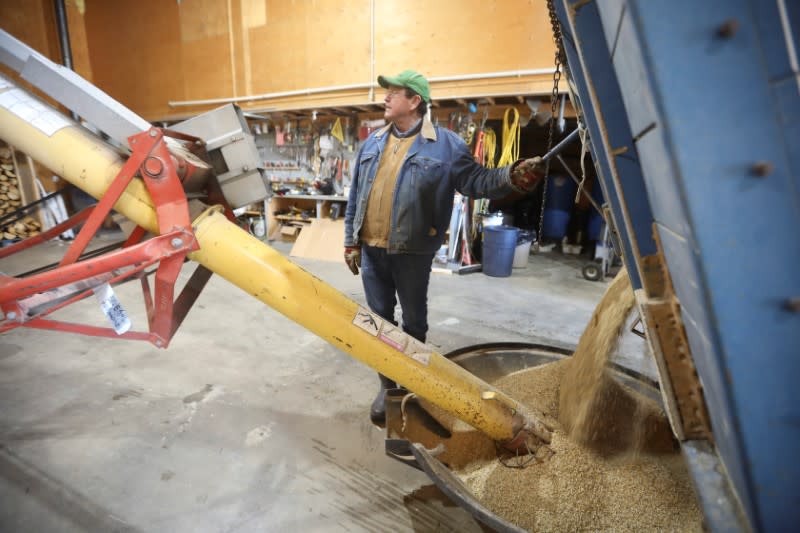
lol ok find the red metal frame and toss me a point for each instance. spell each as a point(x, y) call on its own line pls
point(152, 161)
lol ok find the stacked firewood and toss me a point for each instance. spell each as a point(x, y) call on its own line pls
point(11, 200)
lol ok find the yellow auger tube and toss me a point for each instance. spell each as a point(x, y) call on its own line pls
point(88, 163)
point(264, 273)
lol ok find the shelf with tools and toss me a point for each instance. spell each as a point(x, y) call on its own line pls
point(307, 177)
point(288, 214)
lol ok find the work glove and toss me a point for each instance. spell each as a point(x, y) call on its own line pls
point(352, 256)
point(527, 173)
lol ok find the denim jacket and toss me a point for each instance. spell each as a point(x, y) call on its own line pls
point(437, 164)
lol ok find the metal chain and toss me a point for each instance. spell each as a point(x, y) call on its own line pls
point(553, 104)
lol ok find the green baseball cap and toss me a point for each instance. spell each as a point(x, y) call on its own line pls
point(410, 79)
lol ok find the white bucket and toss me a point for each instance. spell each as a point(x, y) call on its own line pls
point(258, 227)
point(521, 254)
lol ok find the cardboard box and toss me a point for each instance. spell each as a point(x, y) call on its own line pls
point(289, 231)
point(322, 239)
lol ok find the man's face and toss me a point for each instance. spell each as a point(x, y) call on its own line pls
point(397, 105)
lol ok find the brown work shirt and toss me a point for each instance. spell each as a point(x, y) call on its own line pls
point(378, 217)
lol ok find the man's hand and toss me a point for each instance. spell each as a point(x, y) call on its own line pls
point(526, 174)
point(352, 256)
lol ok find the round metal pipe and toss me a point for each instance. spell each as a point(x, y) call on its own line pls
point(368, 85)
point(63, 33)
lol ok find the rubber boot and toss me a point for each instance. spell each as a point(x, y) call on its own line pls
point(377, 413)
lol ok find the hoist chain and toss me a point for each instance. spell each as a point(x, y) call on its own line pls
point(559, 59)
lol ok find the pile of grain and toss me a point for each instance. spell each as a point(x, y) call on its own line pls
point(615, 470)
point(577, 489)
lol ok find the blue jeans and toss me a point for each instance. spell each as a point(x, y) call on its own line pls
point(404, 275)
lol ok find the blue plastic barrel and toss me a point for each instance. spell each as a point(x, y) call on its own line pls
point(595, 219)
point(558, 206)
point(499, 243)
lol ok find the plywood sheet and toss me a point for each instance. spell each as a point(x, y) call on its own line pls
point(147, 53)
point(468, 36)
point(135, 52)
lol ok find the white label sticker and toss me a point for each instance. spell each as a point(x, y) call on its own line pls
point(418, 351)
point(109, 304)
point(393, 336)
point(424, 358)
point(46, 120)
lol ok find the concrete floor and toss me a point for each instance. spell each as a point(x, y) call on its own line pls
point(247, 422)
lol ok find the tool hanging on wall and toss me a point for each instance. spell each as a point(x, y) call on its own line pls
point(485, 147)
point(509, 151)
point(489, 147)
point(479, 152)
point(336, 130)
point(488, 150)
point(466, 233)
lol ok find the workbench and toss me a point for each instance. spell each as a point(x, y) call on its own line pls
point(321, 203)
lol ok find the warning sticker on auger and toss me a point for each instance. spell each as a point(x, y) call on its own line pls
point(369, 322)
point(418, 351)
point(392, 335)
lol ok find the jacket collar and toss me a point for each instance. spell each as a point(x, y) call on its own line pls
point(428, 130)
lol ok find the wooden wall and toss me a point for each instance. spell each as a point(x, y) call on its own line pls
point(31, 21)
point(148, 53)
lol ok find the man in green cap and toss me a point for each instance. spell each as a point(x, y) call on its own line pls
point(401, 198)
